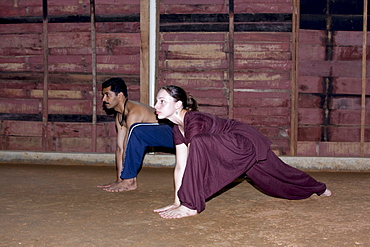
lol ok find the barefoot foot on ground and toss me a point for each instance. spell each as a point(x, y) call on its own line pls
point(124, 185)
point(177, 213)
point(166, 208)
point(107, 185)
point(326, 193)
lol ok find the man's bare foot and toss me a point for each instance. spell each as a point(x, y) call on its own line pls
point(107, 185)
point(326, 193)
point(123, 185)
point(179, 212)
point(169, 207)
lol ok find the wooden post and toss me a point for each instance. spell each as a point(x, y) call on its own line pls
point(294, 85)
point(363, 81)
point(45, 108)
point(231, 59)
point(93, 65)
point(155, 89)
point(144, 51)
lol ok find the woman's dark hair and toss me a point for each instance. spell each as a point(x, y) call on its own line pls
point(117, 85)
point(179, 94)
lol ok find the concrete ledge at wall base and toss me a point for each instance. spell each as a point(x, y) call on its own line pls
point(168, 160)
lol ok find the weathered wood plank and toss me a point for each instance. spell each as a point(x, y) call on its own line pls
point(279, 65)
point(30, 106)
point(70, 107)
point(347, 102)
point(276, 121)
point(195, 65)
point(262, 37)
point(273, 85)
point(346, 117)
point(22, 128)
point(26, 143)
point(310, 116)
point(63, 39)
point(267, 6)
point(310, 84)
point(348, 85)
point(310, 133)
point(312, 52)
point(334, 149)
point(261, 99)
point(193, 51)
point(186, 8)
point(260, 76)
point(192, 37)
point(21, 41)
point(307, 148)
point(310, 101)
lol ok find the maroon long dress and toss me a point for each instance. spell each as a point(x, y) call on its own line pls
point(223, 149)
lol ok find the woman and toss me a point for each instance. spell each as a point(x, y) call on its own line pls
point(211, 152)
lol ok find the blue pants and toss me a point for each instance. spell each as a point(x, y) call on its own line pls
point(141, 136)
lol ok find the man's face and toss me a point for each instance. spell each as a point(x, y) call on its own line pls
point(109, 98)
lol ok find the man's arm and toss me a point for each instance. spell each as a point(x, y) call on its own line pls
point(120, 148)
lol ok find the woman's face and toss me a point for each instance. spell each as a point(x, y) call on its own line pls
point(166, 105)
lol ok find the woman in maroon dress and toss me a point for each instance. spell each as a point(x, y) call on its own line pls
point(211, 152)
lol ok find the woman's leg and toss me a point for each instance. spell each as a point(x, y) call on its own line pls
point(276, 178)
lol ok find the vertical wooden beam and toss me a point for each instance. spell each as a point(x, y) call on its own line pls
point(45, 108)
point(363, 81)
point(144, 51)
point(93, 64)
point(156, 50)
point(294, 84)
point(231, 59)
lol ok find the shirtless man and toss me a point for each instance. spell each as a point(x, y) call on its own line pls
point(137, 128)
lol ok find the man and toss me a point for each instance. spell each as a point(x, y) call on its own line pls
point(137, 128)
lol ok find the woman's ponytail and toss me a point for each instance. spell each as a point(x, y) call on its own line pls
point(192, 104)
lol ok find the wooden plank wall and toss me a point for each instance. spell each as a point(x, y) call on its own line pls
point(195, 55)
point(70, 80)
point(196, 44)
point(331, 83)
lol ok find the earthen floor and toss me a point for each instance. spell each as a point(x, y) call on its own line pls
point(44, 205)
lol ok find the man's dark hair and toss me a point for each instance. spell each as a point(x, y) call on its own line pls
point(117, 85)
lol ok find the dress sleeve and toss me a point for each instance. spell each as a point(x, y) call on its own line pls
point(196, 123)
point(177, 136)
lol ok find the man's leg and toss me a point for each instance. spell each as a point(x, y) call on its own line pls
point(141, 136)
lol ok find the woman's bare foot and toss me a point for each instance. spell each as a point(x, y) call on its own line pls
point(179, 212)
point(326, 193)
point(169, 207)
point(123, 185)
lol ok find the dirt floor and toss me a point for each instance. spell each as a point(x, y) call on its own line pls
point(61, 206)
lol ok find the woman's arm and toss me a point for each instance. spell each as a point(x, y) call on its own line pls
point(181, 158)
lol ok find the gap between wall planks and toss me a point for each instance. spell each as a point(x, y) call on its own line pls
point(363, 81)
